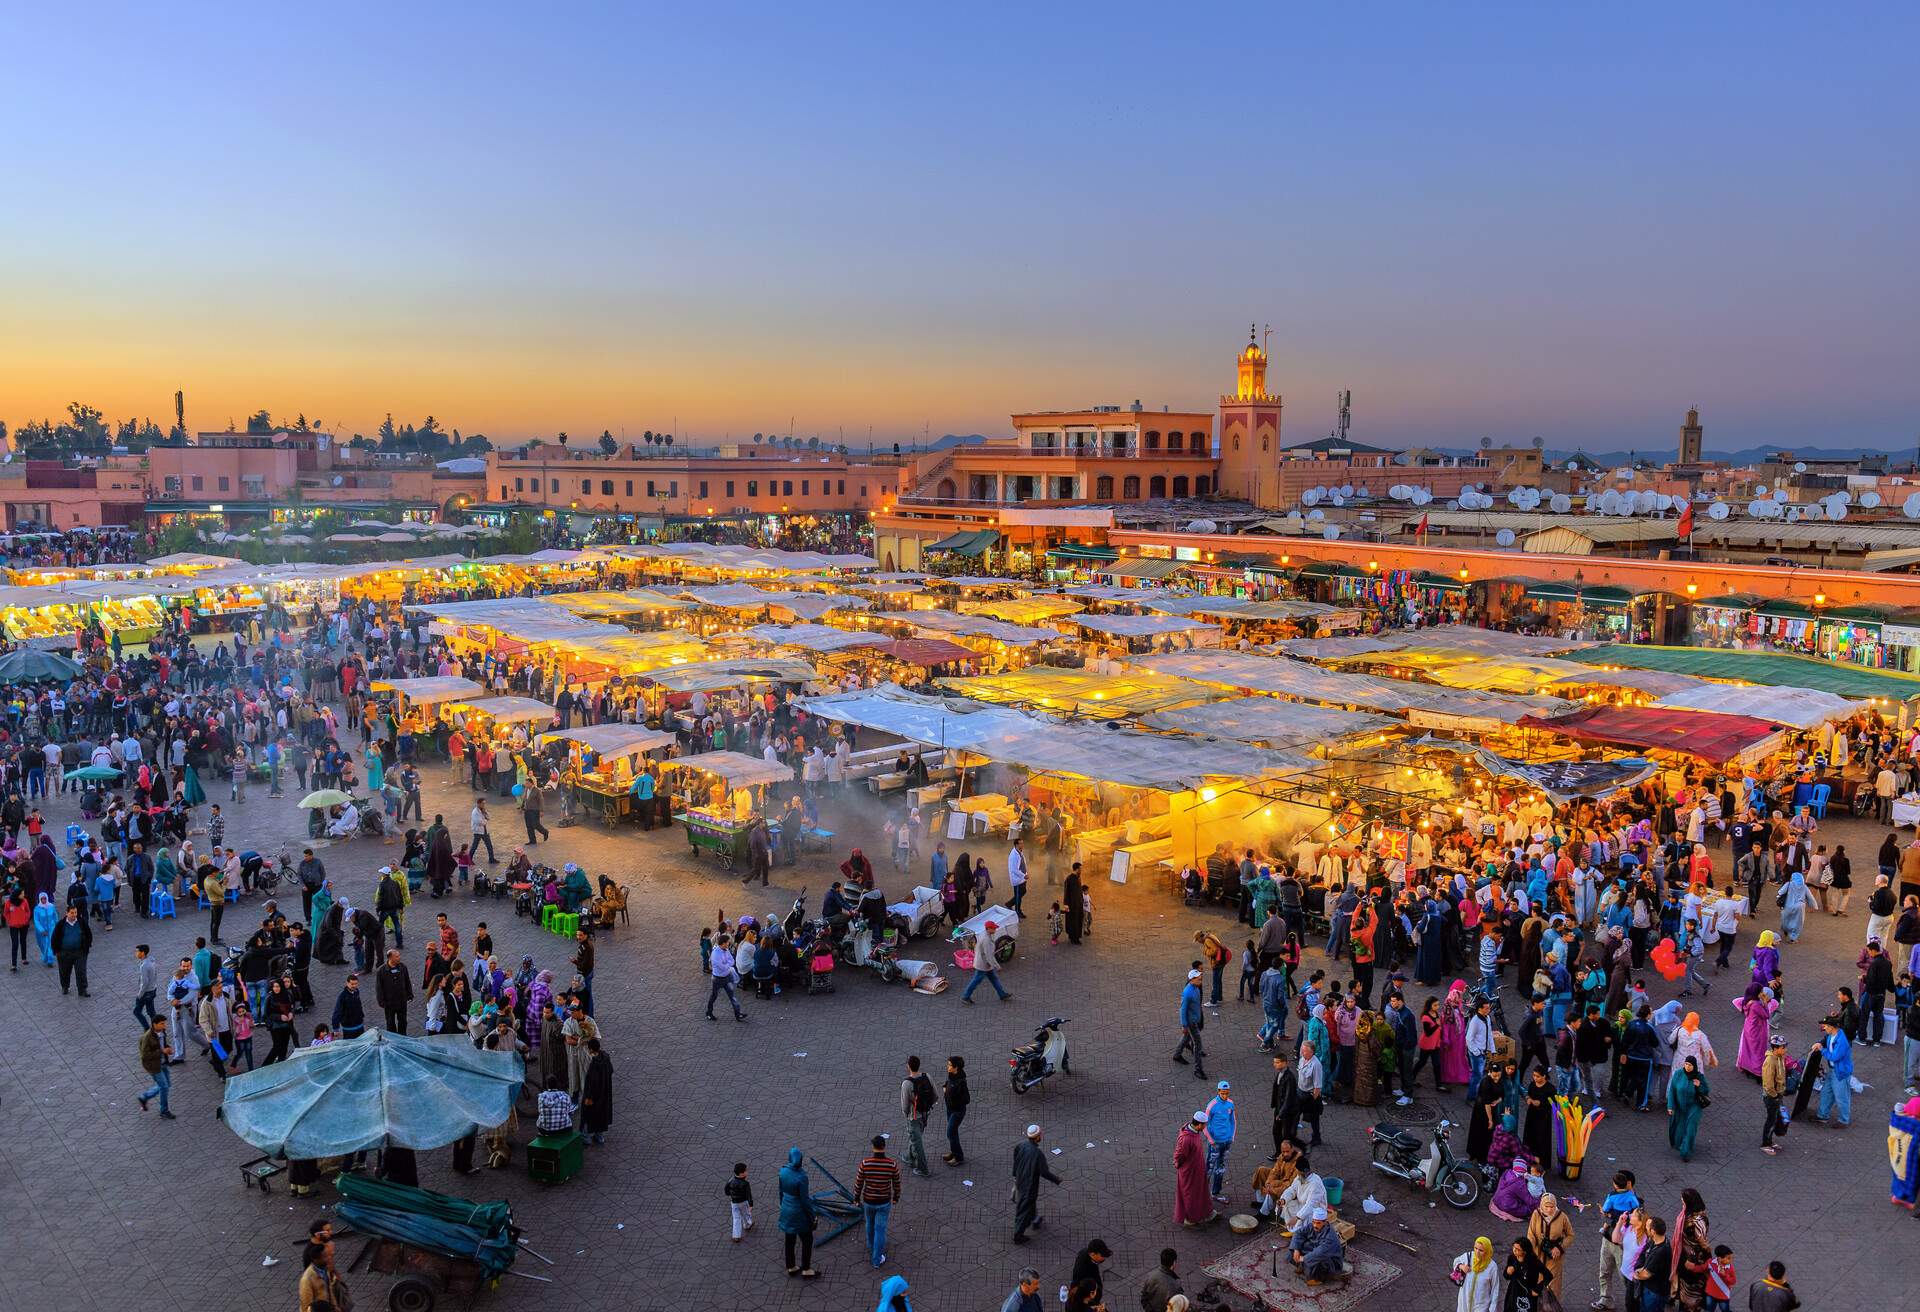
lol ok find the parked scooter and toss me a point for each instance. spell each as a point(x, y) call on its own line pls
point(1034, 1062)
point(1399, 1152)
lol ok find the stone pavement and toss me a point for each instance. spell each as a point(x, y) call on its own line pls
point(98, 1201)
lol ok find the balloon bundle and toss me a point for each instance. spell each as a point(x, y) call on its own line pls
point(1573, 1128)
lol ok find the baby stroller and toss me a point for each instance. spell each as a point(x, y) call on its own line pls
point(820, 966)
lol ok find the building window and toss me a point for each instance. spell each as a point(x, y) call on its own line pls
point(253, 485)
point(1103, 488)
point(1176, 442)
point(753, 487)
point(843, 487)
point(673, 487)
point(629, 487)
point(503, 490)
point(1265, 441)
point(650, 491)
point(1153, 440)
point(1236, 441)
point(1157, 486)
point(1201, 486)
point(173, 484)
point(703, 489)
point(788, 484)
point(729, 488)
point(554, 484)
point(1130, 487)
point(223, 483)
point(199, 483)
point(606, 487)
point(586, 485)
point(1179, 485)
point(806, 487)
point(516, 486)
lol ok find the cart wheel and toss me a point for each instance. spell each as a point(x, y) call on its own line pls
point(412, 1294)
point(726, 860)
point(1003, 950)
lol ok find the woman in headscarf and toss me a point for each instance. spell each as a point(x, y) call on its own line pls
point(1370, 1038)
point(1754, 1031)
point(1191, 1203)
point(1479, 1279)
point(1536, 1123)
point(1692, 1041)
point(45, 917)
point(1551, 1233)
point(1486, 1114)
point(538, 995)
point(1691, 1258)
point(1793, 906)
point(796, 1216)
point(1074, 899)
point(1452, 1060)
point(893, 1295)
point(1686, 1100)
point(1666, 1024)
point(1524, 1275)
point(330, 943)
point(1513, 1197)
point(45, 866)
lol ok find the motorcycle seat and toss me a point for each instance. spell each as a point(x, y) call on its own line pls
point(1400, 1138)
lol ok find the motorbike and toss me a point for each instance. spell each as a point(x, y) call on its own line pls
point(256, 874)
point(1035, 1061)
point(1430, 1166)
point(873, 948)
point(796, 918)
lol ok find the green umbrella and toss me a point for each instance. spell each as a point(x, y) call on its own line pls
point(94, 772)
point(30, 665)
point(325, 797)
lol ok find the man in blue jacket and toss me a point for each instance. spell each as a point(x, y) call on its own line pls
point(1191, 1021)
point(1836, 1090)
point(1221, 1124)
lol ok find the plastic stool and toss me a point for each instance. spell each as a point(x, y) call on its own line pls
point(160, 904)
point(547, 912)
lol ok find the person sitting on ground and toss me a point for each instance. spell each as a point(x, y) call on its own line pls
point(1316, 1250)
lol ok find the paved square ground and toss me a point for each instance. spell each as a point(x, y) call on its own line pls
point(101, 1206)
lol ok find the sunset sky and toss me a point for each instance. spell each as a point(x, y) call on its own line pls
point(1571, 222)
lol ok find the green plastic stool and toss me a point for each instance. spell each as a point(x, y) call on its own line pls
point(547, 912)
point(569, 923)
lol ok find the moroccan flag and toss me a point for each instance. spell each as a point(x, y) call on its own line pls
point(1421, 527)
point(1686, 520)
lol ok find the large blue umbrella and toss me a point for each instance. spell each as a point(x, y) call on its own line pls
point(377, 1089)
point(30, 665)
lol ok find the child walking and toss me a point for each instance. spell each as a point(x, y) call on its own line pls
point(1249, 974)
point(242, 1034)
point(1056, 923)
point(740, 1200)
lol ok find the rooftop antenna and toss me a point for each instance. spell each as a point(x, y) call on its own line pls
point(1346, 414)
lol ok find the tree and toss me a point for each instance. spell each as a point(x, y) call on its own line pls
point(387, 434)
point(260, 421)
point(669, 439)
point(607, 444)
point(647, 437)
point(521, 534)
point(300, 423)
point(361, 442)
point(533, 442)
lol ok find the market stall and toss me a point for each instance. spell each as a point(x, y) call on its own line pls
point(1719, 739)
point(602, 762)
point(721, 807)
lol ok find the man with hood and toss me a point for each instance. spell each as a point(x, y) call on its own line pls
point(797, 1217)
point(893, 1295)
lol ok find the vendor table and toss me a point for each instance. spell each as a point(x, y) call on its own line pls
point(1906, 811)
point(603, 801)
point(712, 832)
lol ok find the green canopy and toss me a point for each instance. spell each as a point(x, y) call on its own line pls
point(1772, 669)
point(970, 543)
point(30, 665)
point(1606, 596)
point(1731, 601)
point(1784, 609)
point(1071, 551)
point(1552, 592)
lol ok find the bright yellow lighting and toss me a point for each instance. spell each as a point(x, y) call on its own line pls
point(1208, 794)
point(1692, 588)
point(1819, 598)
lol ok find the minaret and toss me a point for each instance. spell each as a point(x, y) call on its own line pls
point(1691, 438)
point(1250, 432)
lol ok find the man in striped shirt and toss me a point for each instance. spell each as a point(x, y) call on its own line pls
point(877, 1186)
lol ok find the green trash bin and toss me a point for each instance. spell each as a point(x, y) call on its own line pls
point(552, 1159)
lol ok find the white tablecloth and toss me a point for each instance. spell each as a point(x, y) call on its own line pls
point(1906, 811)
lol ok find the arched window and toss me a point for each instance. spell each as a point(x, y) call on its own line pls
point(1153, 440)
point(1236, 441)
point(1157, 485)
point(946, 491)
point(1176, 442)
point(1103, 487)
point(1130, 487)
point(1265, 441)
point(606, 487)
point(1180, 485)
point(1202, 486)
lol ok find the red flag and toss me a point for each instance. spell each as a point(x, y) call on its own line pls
point(1686, 520)
point(1421, 527)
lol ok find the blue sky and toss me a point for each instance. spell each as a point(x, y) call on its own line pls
point(1496, 220)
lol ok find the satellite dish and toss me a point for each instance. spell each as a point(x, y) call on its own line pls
point(1346, 489)
point(1836, 512)
point(338, 480)
point(1717, 511)
point(1911, 506)
point(1561, 503)
point(1504, 537)
point(1311, 497)
point(1363, 491)
point(1869, 500)
point(1339, 500)
point(1331, 532)
point(1573, 466)
point(1799, 466)
point(1814, 511)
point(1761, 490)
point(1398, 491)
point(1793, 515)
point(1421, 496)
point(1452, 504)
point(1318, 514)
point(1663, 501)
